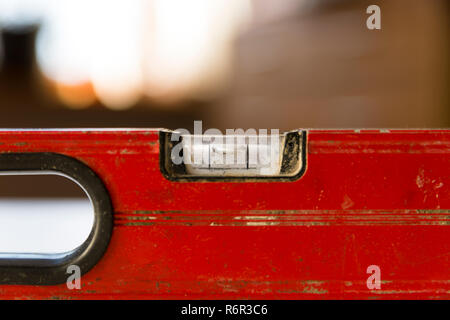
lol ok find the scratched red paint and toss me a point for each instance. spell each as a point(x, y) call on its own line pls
point(367, 197)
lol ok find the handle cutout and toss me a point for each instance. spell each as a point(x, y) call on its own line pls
point(40, 268)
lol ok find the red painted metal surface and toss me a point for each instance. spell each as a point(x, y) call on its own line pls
point(368, 197)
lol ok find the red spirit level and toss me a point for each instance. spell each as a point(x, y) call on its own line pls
point(343, 200)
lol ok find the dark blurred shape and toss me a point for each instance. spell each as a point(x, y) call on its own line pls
point(17, 72)
point(18, 53)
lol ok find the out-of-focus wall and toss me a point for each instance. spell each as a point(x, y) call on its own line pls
point(319, 66)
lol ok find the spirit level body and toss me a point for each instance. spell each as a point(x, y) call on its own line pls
point(366, 197)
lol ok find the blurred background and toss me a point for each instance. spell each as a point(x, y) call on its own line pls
point(232, 63)
point(281, 64)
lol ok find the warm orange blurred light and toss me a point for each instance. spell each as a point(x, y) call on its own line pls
point(77, 96)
